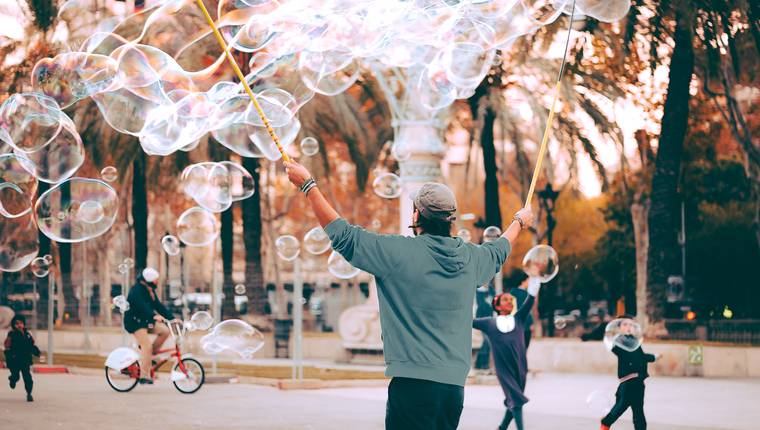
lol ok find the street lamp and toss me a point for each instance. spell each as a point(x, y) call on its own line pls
point(547, 198)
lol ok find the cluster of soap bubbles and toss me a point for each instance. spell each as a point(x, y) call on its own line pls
point(45, 146)
point(214, 186)
point(126, 265)
point(235, 336)
point(299, 48)
point(623, 333)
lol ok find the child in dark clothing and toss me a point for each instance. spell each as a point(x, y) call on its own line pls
point(632, 370)
point(19, 348)
point(507, 336)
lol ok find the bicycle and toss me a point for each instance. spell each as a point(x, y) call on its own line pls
point(123, 365)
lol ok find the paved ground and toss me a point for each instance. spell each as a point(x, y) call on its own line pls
point(558, 402)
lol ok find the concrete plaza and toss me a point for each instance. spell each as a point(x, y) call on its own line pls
point(558, 401)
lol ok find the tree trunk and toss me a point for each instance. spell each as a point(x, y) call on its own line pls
point(254, 274)
point(639, 212)
point(228, 288)
point(493, 211)
point(479, 103)
point(140, 211)
point(663, 220)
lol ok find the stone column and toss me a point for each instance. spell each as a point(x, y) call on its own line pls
point(422, 139)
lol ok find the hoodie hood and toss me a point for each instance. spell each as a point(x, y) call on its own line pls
point(449, 252)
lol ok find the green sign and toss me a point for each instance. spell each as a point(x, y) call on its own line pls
point(695, 355)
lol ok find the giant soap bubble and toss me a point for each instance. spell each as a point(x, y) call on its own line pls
point(234, 336)
point(41, 133)
point(17, 186)
point(76, 210)
point(623, 333)
point(541, 262)
point(19, 242)
point(197, 227)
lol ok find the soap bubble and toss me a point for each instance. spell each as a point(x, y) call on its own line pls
point(129, 262)
point(48, 258)
point(376, 224)
point(109, 174)
point(40, 267)
point(123, 268)
point(309, 146)
point(340, 268)
point(41, 133)
point(465, 235)
point(76, 210)
point(541, 262)
point(600, 401)
point(316, 241)
point(505, 323)
point(623, 333)
point(214, 186)
point(491, 234)
point(235, 336)
point(170, 244)
point(17, 186)
point(288, 248)
point(197, 227)
point(121, 303)
point(201, 320)
point(387, 186)
point(240, 289)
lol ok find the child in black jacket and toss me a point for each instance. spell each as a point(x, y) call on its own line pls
point(632, 370)
point(19, 348)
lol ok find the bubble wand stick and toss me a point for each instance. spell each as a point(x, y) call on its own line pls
point(550, 119)
point(240, 76)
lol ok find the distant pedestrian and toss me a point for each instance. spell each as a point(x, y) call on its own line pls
point(19, 349)
point(507, 335)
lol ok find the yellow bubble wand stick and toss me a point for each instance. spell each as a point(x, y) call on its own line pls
point(240, 76)
point(550, 119)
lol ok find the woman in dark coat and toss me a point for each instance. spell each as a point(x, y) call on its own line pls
point(146, 315)
point(19, 349)
point(507, 336)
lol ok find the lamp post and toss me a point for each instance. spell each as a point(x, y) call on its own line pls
point(547, 198)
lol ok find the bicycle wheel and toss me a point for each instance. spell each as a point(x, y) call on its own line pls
point(194, 376)
point(125, 379)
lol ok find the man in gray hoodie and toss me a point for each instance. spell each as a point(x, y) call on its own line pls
point(426, 286)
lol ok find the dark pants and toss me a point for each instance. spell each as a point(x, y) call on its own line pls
point(629, 394)
point(528, 334)
point(26, 373)
point(515, 413)
point(417, 404)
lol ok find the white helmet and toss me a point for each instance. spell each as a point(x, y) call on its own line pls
point(150, 274)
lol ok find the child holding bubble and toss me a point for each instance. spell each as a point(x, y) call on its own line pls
point(506, 333)
point(19, 349)
point(623, 338)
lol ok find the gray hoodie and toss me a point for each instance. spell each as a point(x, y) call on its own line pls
point(426, 286)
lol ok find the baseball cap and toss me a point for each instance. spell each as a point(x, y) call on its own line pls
point(435, 201)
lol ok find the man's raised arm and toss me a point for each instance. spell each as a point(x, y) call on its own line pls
point(301, 178)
